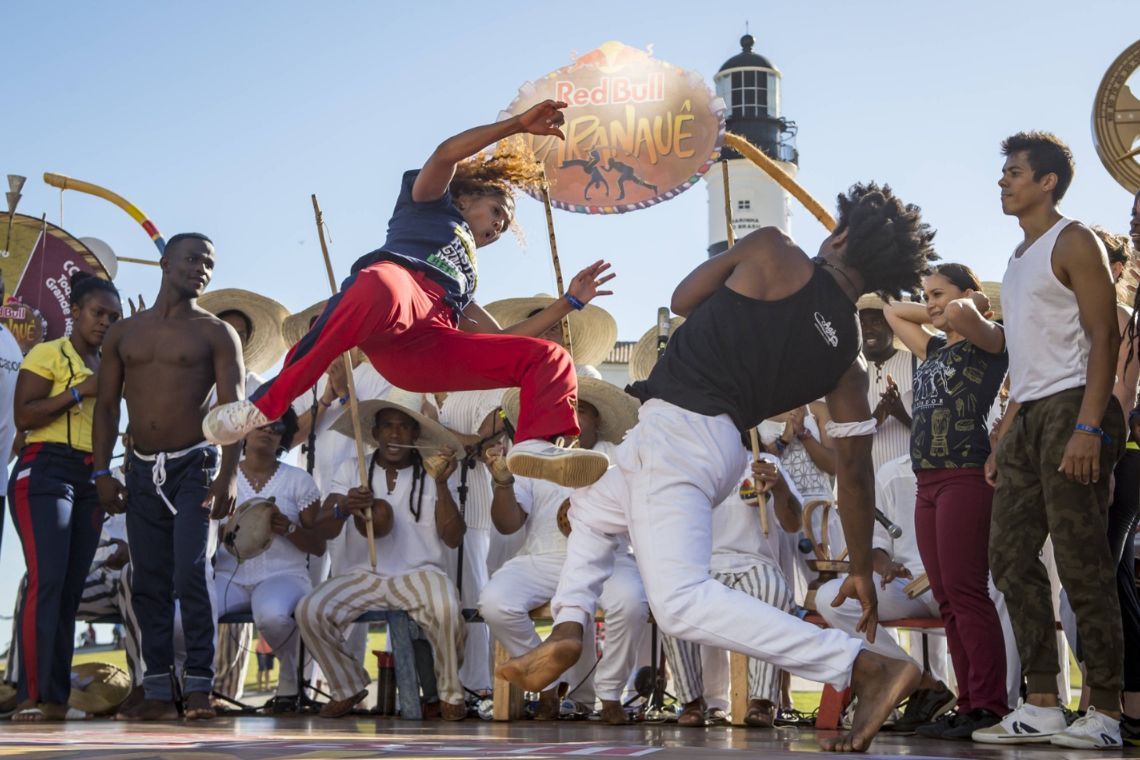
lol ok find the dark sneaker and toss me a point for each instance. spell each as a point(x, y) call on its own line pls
point(1130, 731)
point(975, 720)
point(935, 730)
point(924, 706)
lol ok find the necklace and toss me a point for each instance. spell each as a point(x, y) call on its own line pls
point(258, 485)
point(839, 271)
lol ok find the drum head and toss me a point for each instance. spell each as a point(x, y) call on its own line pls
point(249, 532)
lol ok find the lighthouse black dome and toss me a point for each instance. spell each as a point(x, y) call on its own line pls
point(746, 58)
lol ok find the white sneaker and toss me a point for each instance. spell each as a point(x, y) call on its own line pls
point(572, 468)
point(229, 423)
point(1025, 725)
point(1094, 731)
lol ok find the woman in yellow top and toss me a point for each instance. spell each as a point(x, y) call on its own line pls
point(52, 498)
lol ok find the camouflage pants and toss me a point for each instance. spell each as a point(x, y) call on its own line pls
point(1034, 500)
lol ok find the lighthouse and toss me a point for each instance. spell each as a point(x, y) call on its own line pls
point(749, 84)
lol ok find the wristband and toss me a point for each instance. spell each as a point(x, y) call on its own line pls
point(804, 434)
point(338, 514)
point(75, 394)
point(291, 529)
point(100, 474)
point(343, 400)
point(781, 444)
point(509, 484)
point(578, 305)
point(321, 401)
point(1082, 428)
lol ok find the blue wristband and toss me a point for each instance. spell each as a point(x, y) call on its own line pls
point(75, 394)
point(339, 515)
point(101, 474)
point(1093, 431)
point(578, 305)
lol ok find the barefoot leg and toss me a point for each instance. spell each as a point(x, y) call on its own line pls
point(28, 712)
point(879, 683)
point(541, 666)
point(148, 710)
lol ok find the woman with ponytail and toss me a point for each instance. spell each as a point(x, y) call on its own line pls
point(52, 498)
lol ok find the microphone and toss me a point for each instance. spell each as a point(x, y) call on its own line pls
point(893, 530)
point(663, 326)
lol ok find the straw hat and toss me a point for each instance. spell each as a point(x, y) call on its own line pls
point(433, 436)
point(98, 688)
point(644, 354)
point(296, 325)
point(873, 301)
point(593, 332)
point(993, 292)
point(617, 410)
point(265, 345)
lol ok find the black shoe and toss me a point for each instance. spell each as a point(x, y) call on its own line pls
point(924, 706)
point(971, 722)
point(280, 705)
point(1130, 731)
point(936, 729)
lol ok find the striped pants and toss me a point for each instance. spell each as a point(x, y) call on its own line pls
point(763, 582)
point(231, 659)
point(428, 597)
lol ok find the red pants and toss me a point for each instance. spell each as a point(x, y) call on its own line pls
point(952, 525)
point(400, 320)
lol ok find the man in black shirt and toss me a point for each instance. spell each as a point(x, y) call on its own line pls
point(753, 313)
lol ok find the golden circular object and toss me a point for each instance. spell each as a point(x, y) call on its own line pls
point(1116, 120)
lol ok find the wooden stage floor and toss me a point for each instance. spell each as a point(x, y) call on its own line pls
point(311, 738)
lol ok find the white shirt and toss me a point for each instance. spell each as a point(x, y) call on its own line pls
point(800, 470)
point(892, 438)
point(293, 490)
point(332, 448)
point(464, 412)
point(10, 359)
point(738, 540)
point(541, 500)
point(1048, 347)
point(412, 545)
point(896, 491)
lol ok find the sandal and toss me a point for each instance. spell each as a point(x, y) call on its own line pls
point(761, 714)
point(198, 706)
point(693, 714)
point(340, 707)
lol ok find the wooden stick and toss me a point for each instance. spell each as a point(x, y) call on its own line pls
point(566, 337)
point(353, 402)
point(755, 437)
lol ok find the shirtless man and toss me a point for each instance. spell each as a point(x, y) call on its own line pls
point(751, 312)
point(167, 359)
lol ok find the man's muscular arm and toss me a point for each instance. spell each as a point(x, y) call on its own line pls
point(856, 493)
point(229, 374)
point(703, 281)
point(108, 398)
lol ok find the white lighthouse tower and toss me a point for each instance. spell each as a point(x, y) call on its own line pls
point(750, 85)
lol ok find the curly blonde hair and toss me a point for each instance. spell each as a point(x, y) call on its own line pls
point(512, 165)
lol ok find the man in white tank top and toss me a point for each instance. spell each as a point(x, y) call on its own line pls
point(1059, 441)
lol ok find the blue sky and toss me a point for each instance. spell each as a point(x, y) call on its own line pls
point(224, 117)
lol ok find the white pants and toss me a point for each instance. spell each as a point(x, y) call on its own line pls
point(687, 660)
point(272, 602)
point(428, 597)
point(893, 605)
point(670, 470)
point(475, 674)
point(528, 581)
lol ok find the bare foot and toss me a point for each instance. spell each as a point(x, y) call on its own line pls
point(28, 712)
point(761, 714)
point(148, 710)
point(549, 705)
point(879, 683)
point(541, 666)
point(199, 707)
point(340, 707)
point(613, 714)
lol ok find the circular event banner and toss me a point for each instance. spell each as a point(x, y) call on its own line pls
point(37, 260)
point(639, 131)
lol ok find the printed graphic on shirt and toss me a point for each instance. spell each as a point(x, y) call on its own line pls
point(826, 330)
point(457, 259)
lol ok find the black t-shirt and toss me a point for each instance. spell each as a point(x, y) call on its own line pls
point(752, 359)
point(954, 390)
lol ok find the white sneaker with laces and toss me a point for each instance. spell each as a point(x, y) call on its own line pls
point(1027, 724)
point(229, 423)
point(1094, 731)
point(569, 467)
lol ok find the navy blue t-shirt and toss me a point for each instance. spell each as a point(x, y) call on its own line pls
point(432, 237)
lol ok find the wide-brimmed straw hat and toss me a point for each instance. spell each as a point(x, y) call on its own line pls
point(993, 292)
point(643, 357)
point(593, 331)
point(433, 436)
point(98, 688)
point(874, 301)
point(296, 325)
point(617, 410)
point(266, 344)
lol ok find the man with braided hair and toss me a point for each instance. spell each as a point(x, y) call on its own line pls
point(751, 311)
point(408, 306)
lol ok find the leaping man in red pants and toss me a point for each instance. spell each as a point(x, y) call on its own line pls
point(408, 305)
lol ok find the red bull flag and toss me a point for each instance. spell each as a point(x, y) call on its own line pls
point(639, 131)
point(37, 261)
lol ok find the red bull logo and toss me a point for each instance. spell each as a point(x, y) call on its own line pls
point(638, 130)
